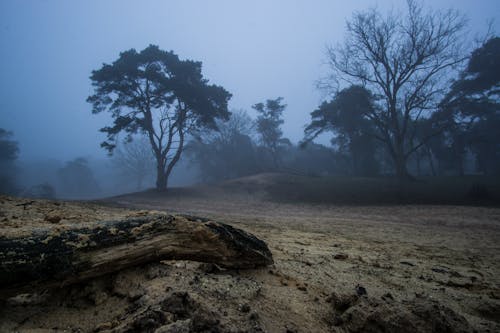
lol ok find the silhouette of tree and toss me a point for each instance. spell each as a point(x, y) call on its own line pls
point(404, 59)
point(77, 179)
point(156, 93)
point(470, 112)
point(269, 123)
point(314, 159)
point(135, 160)
point(9, 151)
point(227, 152)
point(348, 117)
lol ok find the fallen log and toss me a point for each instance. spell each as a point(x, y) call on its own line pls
point(51, 257)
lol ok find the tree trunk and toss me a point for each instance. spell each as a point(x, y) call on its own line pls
point(431, 160)
point(161, 181)
point(175, 158)
point(401, 170)
point(461, 169)
point(52, 257)
point(400, 162)
point(419, 171)
point(161, 178)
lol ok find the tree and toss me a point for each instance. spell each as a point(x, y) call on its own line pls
point(227, 152)
point(404, 60)
point(9, 151)
point(347, 116)
point(156, 93)
point(135, 160)
point(470, 111)
point(77, 179)
point(313, 159)
point(269, 123)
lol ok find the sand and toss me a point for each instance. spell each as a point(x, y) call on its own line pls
point(337, 269)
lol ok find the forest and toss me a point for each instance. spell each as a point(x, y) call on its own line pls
point(446, 129)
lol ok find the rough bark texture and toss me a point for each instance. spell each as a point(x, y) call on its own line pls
point(49, 257)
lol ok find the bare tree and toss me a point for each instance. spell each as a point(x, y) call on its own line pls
point(405, 60)
point(228, 152)
point(239, 123)
point(135, 160)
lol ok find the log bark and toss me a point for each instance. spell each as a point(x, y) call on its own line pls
point(50, 258)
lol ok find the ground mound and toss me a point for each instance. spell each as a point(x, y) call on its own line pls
point(300, 189)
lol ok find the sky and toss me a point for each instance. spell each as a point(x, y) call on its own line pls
point(257, 50)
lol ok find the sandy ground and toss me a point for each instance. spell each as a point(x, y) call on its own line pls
point(337, 269)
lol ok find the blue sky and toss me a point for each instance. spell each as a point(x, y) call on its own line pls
point(255, 49)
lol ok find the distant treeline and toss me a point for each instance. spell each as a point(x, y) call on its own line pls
point(407, 96)
point(460, 136)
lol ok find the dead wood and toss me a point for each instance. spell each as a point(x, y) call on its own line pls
point(52, 257)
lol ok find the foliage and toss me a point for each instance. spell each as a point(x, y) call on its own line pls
point(9, 151)
point(77, 179)
point(470, 112)
point(269, 121)
point(227, 152)
point(347, 116)
point(156, 93)
point(231, 152)
point(314, 160)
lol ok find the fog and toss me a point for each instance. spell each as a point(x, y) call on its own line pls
point(256, 50)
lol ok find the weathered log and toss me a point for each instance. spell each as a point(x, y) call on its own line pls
point(62, 257)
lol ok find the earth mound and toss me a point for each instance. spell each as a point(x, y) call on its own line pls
point(360, 313)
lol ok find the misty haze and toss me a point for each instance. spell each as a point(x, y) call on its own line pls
point(250, 166)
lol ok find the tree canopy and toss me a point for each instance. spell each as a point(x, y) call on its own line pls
point(269, 121)
point(470, 111)
point(477, 90)
point(227, 152)
point(9, 151)
point(347, 116)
